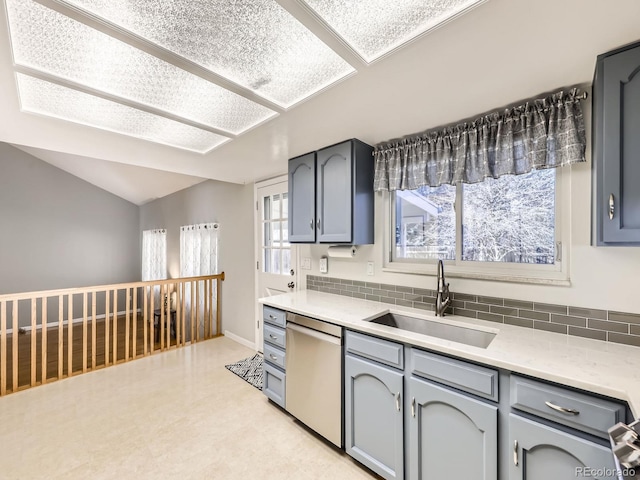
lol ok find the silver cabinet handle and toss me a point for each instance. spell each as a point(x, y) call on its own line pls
point(413, 407)
point(558, 408)
point(318, 223)
point(311, 224)
point(272, 317)
point(273, 357)
point(273, 337)
point(612, 206)
point(515, 453)
point(398, 401)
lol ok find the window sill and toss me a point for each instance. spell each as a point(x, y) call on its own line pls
point(496, 277)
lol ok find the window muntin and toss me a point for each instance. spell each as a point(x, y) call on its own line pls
point(276, 249)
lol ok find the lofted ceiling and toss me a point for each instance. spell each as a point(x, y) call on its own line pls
point(119, 92)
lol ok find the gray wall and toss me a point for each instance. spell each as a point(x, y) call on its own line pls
point(232, 206)
point(58, 231)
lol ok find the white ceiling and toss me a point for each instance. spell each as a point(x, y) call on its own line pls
point(499, 53)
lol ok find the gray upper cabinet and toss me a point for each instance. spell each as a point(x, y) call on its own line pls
point(331, 195)
point(542, 453)
point(616, 147)
point(302, 200)
point(447, 430)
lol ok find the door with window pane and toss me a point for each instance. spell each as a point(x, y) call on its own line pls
point(276, 260)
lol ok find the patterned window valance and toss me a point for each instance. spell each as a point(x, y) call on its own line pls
point(542, 133)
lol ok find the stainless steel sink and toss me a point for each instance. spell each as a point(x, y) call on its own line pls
point(446, 331)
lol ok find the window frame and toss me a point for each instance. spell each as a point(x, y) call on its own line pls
point(555, 274)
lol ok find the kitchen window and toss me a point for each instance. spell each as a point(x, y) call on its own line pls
point(486, 196)
point(509, 228)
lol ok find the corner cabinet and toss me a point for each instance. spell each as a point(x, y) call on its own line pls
point(541, 453)
point(331, 195)
point(616, 147)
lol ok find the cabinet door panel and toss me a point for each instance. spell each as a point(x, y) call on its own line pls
point(451, 435)
point(621, 146)
point(373, 423)
point(334, 192)
point(302, 175)
point(545, 453)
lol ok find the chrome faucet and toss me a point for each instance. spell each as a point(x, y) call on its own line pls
point(442, 297)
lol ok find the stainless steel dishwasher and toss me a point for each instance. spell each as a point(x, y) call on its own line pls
point(314, 375)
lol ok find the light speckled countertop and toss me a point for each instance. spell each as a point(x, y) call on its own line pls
point(602, 367)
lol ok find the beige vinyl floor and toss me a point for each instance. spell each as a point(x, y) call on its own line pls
point(174, 415)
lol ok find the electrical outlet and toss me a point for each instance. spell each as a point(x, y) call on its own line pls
point(306, 263)
point(370, 268)
point(324, 265)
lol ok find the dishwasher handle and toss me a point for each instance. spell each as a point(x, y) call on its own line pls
point(313, 333)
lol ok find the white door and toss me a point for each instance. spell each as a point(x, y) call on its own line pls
point(276, 261)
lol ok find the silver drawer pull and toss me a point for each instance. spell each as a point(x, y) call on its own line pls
point(273, 337)
point(515, 452)
point(413, 407)
point(273, 357)
point(398, 401)
point(558, 408)
point(272, 317)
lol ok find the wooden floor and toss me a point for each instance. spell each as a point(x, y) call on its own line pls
point(24, 350)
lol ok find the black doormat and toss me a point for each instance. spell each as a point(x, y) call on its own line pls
point(249, 369)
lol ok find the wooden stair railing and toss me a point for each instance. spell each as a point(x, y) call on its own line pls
point(55, 334)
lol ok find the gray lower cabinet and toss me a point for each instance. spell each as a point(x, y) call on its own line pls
point(451, 435)
point(374, 432)
point(616, 147)
point(541, 452)
point(274, 349)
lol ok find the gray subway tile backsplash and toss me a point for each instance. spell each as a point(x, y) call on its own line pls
point(518, 304)
point(550, 327)
point(608, 326)
point(622, 338)
point(624, 317)
point(546, 307)
point(587, 333)
point(567, 320)
point(612, 326)
point(588, 313)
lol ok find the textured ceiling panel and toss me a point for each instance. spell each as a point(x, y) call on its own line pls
point(256, 44)
point(47, 41)
point(45, 98)
point(375, 27)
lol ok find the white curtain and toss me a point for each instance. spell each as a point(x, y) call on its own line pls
point(154, 260)
point(198, 257)
point(154, 254)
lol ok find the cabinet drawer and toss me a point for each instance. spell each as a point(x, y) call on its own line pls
point(273, 384)
point(383, 351)
point(464, 376)
point(274, 355)
point(577, 410)
point(274, 335)
point(274, 316)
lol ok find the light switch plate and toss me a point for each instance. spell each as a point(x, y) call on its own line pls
point(369, 268)
point(324, 265)
point(306, 263)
